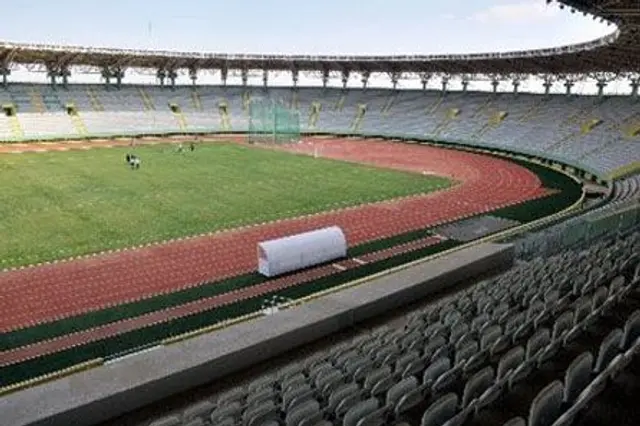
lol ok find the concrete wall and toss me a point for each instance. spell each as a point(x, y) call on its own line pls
point(96, 395)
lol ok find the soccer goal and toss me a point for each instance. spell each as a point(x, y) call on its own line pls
point(271, 121)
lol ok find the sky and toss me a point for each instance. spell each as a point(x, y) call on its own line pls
point(351, 27)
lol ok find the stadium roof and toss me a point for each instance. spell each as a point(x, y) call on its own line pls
point(615, 53)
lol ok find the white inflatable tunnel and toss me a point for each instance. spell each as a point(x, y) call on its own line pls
point(282, 255)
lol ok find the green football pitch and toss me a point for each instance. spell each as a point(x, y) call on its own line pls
point(59, 204)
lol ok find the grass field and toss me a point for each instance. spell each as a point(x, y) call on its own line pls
point(61, 204)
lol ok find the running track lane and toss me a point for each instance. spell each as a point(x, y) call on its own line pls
point(39, 294)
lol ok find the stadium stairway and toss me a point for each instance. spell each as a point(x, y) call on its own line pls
point(532, 112)
point(389, 103)
point(147, 102)
point(339, 106)
point(451, 115)
point(484, 106)
point(584, 112)
point(434, 107)
point(314, 114)
point(196, 102)
point(16, 128)
point(357, 121)
point(78, 124)
point(492, 123)
point(225, 115)
point(96, 105)
point(246, 101)
point(630, 126)
point(295, 99)
point(588, 126)
point(180, 119)
point(37, 100)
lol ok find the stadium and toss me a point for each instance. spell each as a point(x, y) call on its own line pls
point(188, 254)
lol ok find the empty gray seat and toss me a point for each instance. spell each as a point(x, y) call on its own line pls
point(167, 421)
point(404, 399)
point(514, 322)
point(433, 345)
point(547, 405)
point(230, 409)
point(376, 375)
point(609, 348)
point(359, 411)
point(260, 395)
point(562, 325)
point(340, 393)
point(537, 342)
point(293, 380)
point(582, 310)
point(477, 385)
point(451, 317)
point(328, 381)
point(435, 370)
point(262, 382)
point(457, 331)
point(434, 330)
point(500, 310)
point(404, 360)
point(257, 413)
point(294, 392)
point(465, 352)
point(631, 331)
point(232, 395)
point(489, 337)
point(479, 321)
point(400, 389)
point(386, 354)
point(227, 421)
point(194, 422)
point(577, 376)
point(509, 363)
point(201, 409)
point(516, 421)
point(290, 370)
point(303, 411)
point(443, 409)
point(319, 369)
point(598, 300)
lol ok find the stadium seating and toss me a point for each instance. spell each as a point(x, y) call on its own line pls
point(588, 131)
point(535, 343)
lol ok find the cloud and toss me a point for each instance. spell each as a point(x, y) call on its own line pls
point(517, 13)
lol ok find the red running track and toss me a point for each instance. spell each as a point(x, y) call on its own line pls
point(40, 294)
point(82, 337)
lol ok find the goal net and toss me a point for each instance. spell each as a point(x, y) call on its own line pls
point(271, 121)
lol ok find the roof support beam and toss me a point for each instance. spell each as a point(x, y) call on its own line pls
point(365, 78)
